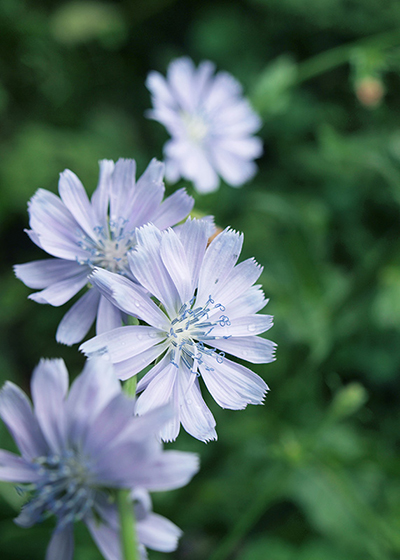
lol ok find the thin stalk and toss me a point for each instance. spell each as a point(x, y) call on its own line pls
point(332, 58)
point(129, 543)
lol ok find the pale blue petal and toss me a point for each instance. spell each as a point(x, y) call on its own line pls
point(108, 316)
point(122, 188)
point(251, 348)
point(232, 385)
point(250, 302)
point(43, 273)
point(147, 266)
point(239, 281)
point(59, 293)
point(126, 369)
point(61, 546)
point(194, 235)
point(124, 342)
point(159, 390)
point(76, 200)
point(49, 218)
point(106, 539)
point(14, 468)
point(195, 416)
point(219, 260)
point(49, 386)
point(180, 80)
point(129, 297)
point(100, 197)
point(234, 170)
point(109, 426)
point(150, 375)
point(172, 469)
point(16, 413)
point(158, 87)
point(158, 533)
point(78, 320)
point(173, 209)
point(174, 258)
point(244, 326)
point(90, 393)
point(147, 196)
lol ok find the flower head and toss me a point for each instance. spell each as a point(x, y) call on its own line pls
point(83, 234)
point(78, 447)
point(209, 307)
point(210, 122)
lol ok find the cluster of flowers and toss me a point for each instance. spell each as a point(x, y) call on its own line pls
point(165, 300)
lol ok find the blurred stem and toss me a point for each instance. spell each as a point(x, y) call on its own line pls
point(273, 487)
point(129, 386)
point(129, 544)
point(340, 55)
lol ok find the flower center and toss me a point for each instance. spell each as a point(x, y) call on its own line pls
point(196, 127)
point(63, 490)
point(190, 329)
point(110, 250)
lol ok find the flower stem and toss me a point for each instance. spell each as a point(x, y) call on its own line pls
point(127, 525)
point(129, 543)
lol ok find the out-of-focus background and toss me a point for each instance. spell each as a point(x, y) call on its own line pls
point(314, 474)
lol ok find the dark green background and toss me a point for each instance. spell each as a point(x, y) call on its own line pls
point(314, 474)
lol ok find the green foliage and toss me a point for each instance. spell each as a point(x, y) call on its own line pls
point(314, 474)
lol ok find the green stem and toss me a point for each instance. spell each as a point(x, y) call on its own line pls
point(129, 541)
point(340, 55)
point(127, 525)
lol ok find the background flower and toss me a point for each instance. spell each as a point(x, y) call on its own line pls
point(210, 122)
point(211, 307)
point(77, 447)
point(82, 234)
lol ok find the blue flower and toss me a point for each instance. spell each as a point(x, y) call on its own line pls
point(78, 447)
point(82, 234)
point(210, 122)
point(209, 308)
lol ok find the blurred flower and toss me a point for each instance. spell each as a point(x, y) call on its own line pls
point(77, 448)
point(210, 122)
point(83, 234)
point(209, 307)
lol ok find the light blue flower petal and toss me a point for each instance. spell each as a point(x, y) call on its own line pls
point(250, 302)
point(124, 342)
point(78, 320)
point(237, 283)
point(152, 374)
point(194, 235)
point(159, 390)
point(127, 368)
point(61, 546)
point(100, 197)
point(59, 293)
point(108, 316)
point(249, 325)
point(16, 413)
point(195, 415)
point(174, 209)
point(219, 260)
point(174, 258)
point(74, 197)
point(129, 297)
point(158, 533)
point(49, 386)
point(106, 539)
point(232, 385)
point(251, 348)
point(172, 469)
point(147, 266)
point(90, 393)
point(14, 468)
point(147, 195)
point(43, 273)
